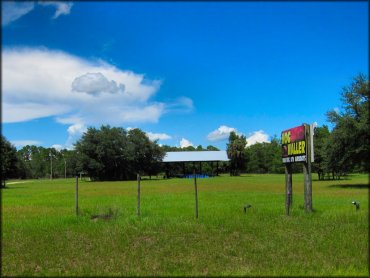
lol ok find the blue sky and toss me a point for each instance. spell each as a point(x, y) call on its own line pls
point(185, 73)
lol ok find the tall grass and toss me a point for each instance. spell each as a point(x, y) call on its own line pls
point(41, 234)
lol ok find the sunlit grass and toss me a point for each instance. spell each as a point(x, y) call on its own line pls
point(42, 235)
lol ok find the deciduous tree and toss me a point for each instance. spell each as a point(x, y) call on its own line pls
point(321, 138)
point(8, 160)
point(114, 154)
point(348, 147)
point(236, 153)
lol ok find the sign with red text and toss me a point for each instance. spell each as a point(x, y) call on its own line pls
point(294, 145)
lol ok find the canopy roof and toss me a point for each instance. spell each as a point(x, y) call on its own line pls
point(195, 156)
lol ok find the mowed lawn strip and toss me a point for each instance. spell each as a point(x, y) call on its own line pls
point(42, 236)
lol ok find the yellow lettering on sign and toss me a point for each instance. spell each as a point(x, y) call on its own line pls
point(285, 137)
point(296, 148)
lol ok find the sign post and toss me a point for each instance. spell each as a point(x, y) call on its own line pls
point(297, 147)
point(307, 173)
point(288, 188)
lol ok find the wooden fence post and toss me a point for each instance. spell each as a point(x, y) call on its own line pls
point(77, 196)
point(196, 193)
point(307, 173)
point(288, 188)
point(138, 195)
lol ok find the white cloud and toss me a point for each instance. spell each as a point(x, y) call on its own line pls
point(57, 147)
point(19, 112)
point(96, 83)
point(38, 83)
point(69, 120)
point(61, 7)
point(22, 143)
point(12, 10)
point(76, 129)
point(257, 137)
point(222, 133)
point(74, 133)
point(181, 104)
point(185, 143)
point(158, 136)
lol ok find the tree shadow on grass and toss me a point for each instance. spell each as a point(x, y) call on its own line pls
point(356, 185)
point(331, 180)
point(13, 187)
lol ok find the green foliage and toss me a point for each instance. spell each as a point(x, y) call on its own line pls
point(264, 157)
point(146, 156)
point(8, 160)
point(211, 148)
point(321, 141)
point(348, 145)
point(114, 154)
point(236, 153)
point(34, 162)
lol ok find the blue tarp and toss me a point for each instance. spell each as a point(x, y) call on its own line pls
point(198, 176)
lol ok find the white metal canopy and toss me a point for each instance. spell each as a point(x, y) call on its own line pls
point(196, 156)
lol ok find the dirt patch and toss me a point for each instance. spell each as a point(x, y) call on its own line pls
point(107, 216)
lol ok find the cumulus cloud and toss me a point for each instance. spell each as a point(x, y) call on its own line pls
point(62, 8)
point(22, 143)
point(38, 82)
point(257, 137)
point(74, 133)
point(222, 133)
point(185, 143)
point(76, 129)
point(95, 83)
point(158, 136)
point(57, 147)
point(13, 10)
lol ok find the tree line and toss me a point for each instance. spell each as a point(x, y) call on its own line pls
point(113, 153)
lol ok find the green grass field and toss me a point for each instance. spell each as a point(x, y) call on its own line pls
point(41, 234)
